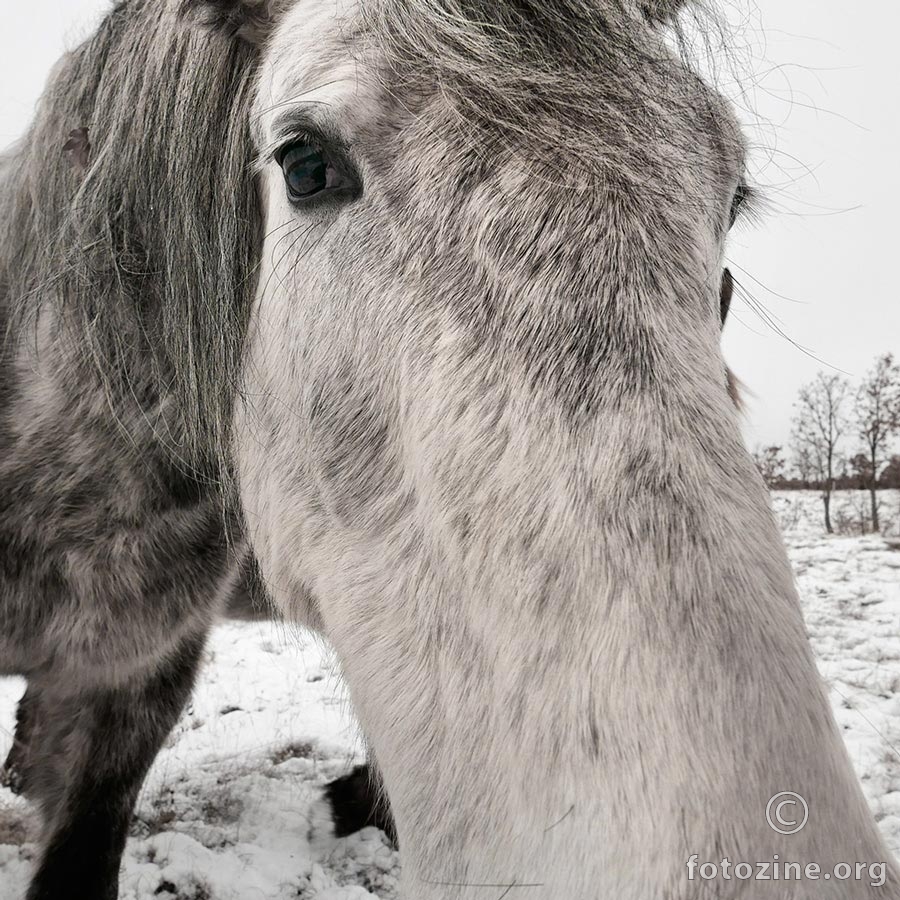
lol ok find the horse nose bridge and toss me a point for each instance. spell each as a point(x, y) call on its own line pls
point(582, 231)
point(591, 342)
point(539, 228)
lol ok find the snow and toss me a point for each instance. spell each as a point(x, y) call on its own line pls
point(231, 808)
point(227, 810)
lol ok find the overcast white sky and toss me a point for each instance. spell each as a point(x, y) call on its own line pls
point(821, 78)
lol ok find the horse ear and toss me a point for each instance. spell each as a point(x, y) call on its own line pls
point(251, 20)
point(661, 12)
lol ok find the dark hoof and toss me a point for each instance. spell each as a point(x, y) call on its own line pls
point(356, 803)
point(13, 774)
point(12, 778)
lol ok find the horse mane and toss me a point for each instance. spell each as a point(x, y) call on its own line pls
point(130, 209)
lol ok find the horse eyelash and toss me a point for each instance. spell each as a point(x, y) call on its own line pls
point(296, 126)
point(751, 203)
point(310, 137)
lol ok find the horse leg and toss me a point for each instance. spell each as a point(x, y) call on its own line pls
point(357, 800)
point(96, 747)
point(14, 774)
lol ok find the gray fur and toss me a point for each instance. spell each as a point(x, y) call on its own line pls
point(129, 233)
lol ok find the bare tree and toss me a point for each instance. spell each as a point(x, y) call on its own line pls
point(878, 420)
point(818, 426)
point(770, 462)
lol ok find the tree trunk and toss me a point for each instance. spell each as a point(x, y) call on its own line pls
point(826, 499)
point(873, 491)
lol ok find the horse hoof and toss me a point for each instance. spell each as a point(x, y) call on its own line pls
point(12, 778)
point(355, 802)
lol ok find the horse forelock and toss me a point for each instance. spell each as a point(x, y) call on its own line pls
point(588, 68)
point(143, 233)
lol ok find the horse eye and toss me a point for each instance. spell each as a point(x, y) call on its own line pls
point(740, 197)
point(308, 172)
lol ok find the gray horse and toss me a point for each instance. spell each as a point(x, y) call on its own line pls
point(421, 298)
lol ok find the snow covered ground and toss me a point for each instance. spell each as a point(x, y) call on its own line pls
point(228, 810)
